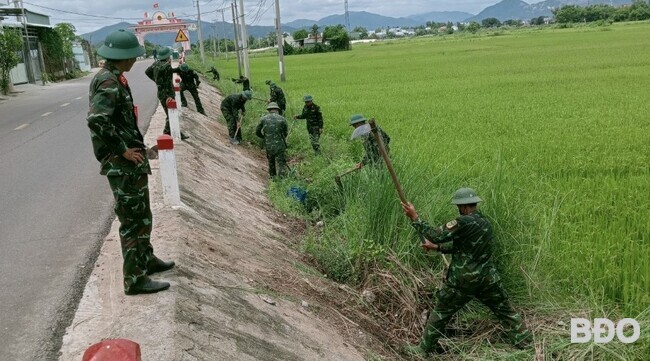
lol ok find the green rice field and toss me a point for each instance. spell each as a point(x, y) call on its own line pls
point(551, 127)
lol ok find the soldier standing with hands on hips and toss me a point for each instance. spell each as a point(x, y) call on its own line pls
point(471, 274)
point(119, 147)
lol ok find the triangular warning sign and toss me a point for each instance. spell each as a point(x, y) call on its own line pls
point(181, 37)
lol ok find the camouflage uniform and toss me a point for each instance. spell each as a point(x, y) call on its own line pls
point(215, 73)
point(273, 129)
point(370, 145)
point(113, 129)
point(190, 82)
point(230, 108)
point(471, 274)
point(314, 123)
point(246, 84)
point(162, 72)
point(277, 96)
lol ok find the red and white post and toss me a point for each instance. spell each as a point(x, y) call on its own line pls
point(168, 173)
point(177, 93)
point(174, 115)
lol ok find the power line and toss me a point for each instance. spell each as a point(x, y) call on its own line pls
point(82, 14)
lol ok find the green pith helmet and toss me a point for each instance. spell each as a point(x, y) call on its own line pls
point(357, 118)
point(307, 98)
point(248, 94)
point(184, 67)
point(164, 54)
point(268, 82)
point(272, 105)
point(465, 196)
point(121, 45)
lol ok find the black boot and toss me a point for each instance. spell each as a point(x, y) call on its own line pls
point(146, 285)
point(158, 265)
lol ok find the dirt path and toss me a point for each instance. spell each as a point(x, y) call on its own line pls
point(233, 251)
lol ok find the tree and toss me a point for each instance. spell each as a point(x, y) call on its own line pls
point(569, 14)
point(473, 27)
point(11, 42)
point(314, 31)
point(490, 23)
point(300, 34)
point(337, 36)
point(66, 33)
point(148, 48)
point(270, 38)
point(537, 21)
point(363, 32)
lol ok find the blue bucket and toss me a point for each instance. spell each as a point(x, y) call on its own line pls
point(298, 194)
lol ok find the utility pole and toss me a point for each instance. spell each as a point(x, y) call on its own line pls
point(278, 30)
point(244, 39)
point(225, 40)
point(347, 16)
point(234, 24)
point(214, 38)
point(198, 9)
point(26, 51)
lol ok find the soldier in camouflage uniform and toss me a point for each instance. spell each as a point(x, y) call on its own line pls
point(119, 147)
point(370, 145)
point(273, 129)
point(246, 84)
point(230, 108)
point(190, 82)
point(471, 274)
point(311, 112)
point(215, 73)
point(277, 96)
point(161, 72)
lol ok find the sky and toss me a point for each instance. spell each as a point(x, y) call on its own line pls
point(97, 14)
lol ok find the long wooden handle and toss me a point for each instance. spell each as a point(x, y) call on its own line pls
point(389, 165)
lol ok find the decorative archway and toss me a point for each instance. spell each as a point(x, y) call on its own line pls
point(160, 22)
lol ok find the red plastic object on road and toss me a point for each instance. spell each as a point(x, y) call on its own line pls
point(113, 350)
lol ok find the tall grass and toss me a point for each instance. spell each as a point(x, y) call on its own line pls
point(552, 129)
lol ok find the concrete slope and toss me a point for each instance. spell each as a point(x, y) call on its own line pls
point(234, 255)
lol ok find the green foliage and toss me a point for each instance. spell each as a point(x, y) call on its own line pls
point(300, 34)
point(490, 23)
point(66, 34)
point(538, 20)
point(527, 121)
point(639, 10)
point(473, 27)
point(11, 42)
point(149, 48)
point(337, 36)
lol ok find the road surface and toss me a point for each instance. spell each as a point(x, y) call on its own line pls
point(55, 210)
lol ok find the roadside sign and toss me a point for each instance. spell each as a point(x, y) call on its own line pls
point(181, 37)
point(191, 27)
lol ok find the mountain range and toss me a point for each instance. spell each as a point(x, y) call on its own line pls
point(504, 10)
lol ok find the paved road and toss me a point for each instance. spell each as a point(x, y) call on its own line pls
point(55, 209)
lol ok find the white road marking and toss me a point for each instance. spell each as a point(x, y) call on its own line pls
point(64, 105)
point(22, 127)
point(46, 114)
point(78, 98)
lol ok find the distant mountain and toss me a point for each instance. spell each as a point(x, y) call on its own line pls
point(301, 23)
point(517, 9)
point(441, 16)
point(365, 19)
